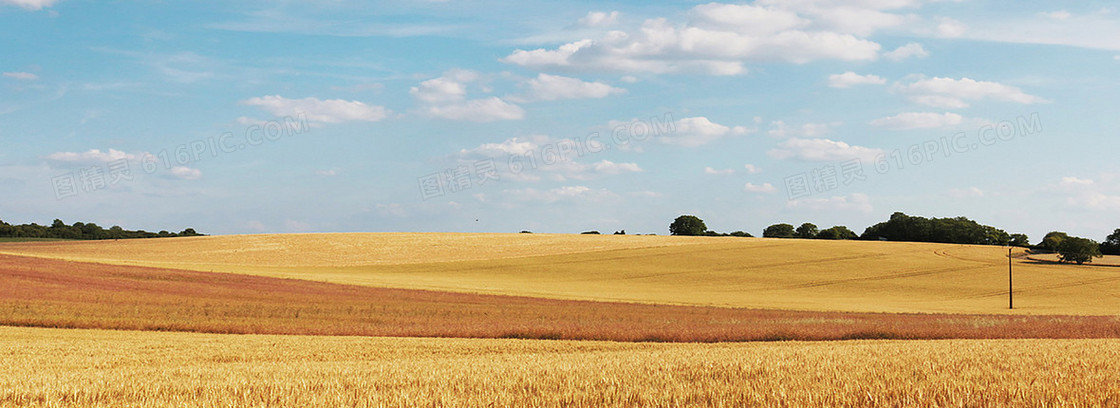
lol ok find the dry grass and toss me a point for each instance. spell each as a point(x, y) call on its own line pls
point(733, 272)
point(86, 368)
point(51, 293)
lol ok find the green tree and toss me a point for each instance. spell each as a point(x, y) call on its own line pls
point(1111, 244)
point(687, 225)
point(1053, 240)
point(779, 231)
point(1019, 240)
point(807, 231)
point(837, 232)
point(1079, 250)
point(741, 234)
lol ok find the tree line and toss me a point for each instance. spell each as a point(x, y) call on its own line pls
point(83, 231)
point(902, 227)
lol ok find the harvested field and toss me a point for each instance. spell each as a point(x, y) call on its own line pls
point(51, 293)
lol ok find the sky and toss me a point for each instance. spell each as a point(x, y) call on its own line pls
point(560, 116)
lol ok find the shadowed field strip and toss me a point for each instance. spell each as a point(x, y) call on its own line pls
point(812, 275)
point(92, 368)
point(52, 293)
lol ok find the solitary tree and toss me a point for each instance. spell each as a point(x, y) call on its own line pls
point(807, 231)
point(687, 225)
point(1079, 250)
point(1111, 245)
point(779, 231)
point(1052, 240)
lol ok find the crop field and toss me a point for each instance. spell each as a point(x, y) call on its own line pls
point(54, 293)
point(92, 368)
point(851, 276)
point(549, 320)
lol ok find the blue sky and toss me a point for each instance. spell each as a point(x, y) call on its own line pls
point(324, 116)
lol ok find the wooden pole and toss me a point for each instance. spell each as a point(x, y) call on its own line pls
point(1010, 287)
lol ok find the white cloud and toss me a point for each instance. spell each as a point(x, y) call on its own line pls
point(949, 28)
point(718, 172)
point(23, 76)
point(327, 173)
point(560, 194)
point(517, 146)
point(752, 169)
point(446, 97)
point(780, 129)
point(906, 51)
point(822, 150)
point(764, 188)
point(849, 79)
point(718, 39)
point(186, 173)
point(1074, 181)
point(478, 110)
point(30, 4)
point(599, 19)
point(854, 202)
point(93, 156)
point(1056, 15)
point(955, 93)
point(554, 87)
point(609, 167)
point(971, 192)
point(698, 131)
point(531, 153)
point(918, 120)
point(319, 110)
point(857, 17)
point(1095, 201)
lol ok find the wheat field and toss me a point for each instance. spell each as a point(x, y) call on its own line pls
point(91, 368)
point(852, 276)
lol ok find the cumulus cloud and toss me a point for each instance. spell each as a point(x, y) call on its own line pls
point(910, 50)
point(23, 76)
point(319, 110)
point(779, 128)
point(854, 202)
point(560, 194)
point(752, 169)
point(718, 172)
point(955, 93)
point(599, 19)
point(718, 39)
point(93, 156)
point(446, 97)
point(918, 120)
point(186, 173)
point(764, 188)
point(699, 131)
point(478, 110)
point(30, 4)
point(822, 150)
point(554, 87)
point(537, 157)
point(850, 79)
point(1074, 181)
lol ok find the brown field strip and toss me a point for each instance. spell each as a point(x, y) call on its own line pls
point(62, 294)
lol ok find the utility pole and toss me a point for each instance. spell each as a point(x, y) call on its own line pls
point(1010, 287)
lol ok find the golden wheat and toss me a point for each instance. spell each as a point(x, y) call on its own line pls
point(855, 276)
point(89, 368)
